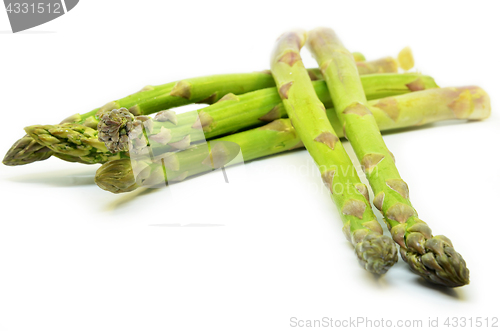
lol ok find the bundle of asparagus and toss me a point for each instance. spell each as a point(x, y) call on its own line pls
point(137, 150)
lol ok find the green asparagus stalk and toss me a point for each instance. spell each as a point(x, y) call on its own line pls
point(432, 257)
point(376, 252)
point(404, 111)
point(152, 99)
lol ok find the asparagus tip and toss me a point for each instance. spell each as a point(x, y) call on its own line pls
point(24, 151)
point(116, 176)
point(440, 264)
point(377, 253)
point(113, 129)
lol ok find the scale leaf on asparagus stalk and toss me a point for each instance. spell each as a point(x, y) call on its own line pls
point(152, 99)
point(404, 111)
point(375, 251)
point(432, 257)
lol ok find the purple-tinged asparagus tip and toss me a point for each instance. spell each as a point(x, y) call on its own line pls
point(114, 127)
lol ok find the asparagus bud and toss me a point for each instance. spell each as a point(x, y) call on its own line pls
point(433, 258)
point(24, 151)
point(113, 129)
point(116, 176)
point(72, 139)
point(375, 251)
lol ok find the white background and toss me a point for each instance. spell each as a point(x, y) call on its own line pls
point(265, 248)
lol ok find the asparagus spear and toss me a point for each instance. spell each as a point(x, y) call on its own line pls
point(151, 99)
point(376, 252)
point(409, 110)
point(432, 257)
